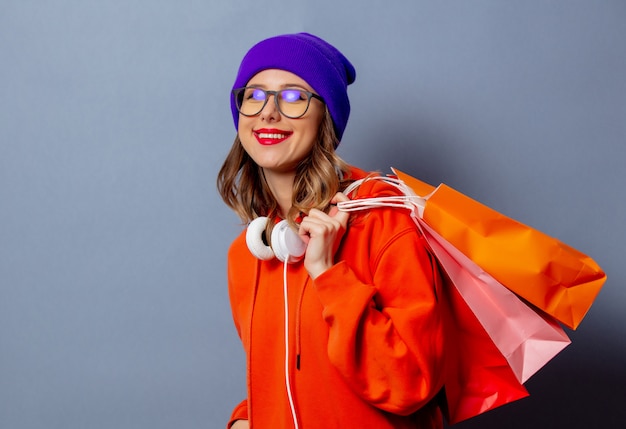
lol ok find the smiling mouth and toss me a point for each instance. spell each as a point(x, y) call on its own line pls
point(270, 137)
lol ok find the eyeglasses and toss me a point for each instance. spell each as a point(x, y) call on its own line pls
point(292, 103)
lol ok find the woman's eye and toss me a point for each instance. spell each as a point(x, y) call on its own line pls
point(291, 95)
point(257, 94)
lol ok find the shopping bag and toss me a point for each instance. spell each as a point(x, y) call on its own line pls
point(528, 340)
point(551, 275)
point(494, 340)
point(477, 377)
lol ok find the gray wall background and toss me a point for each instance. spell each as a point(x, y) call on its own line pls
point(114, 120)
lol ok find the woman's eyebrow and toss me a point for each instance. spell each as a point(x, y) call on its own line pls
point(283, 86)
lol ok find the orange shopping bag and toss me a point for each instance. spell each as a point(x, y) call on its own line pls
point(549, 274)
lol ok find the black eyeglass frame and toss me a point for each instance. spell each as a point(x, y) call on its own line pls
point(238, 91)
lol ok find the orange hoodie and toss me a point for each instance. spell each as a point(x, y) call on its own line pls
point(365, 338)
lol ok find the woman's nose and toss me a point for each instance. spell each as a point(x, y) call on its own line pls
point(270, 110)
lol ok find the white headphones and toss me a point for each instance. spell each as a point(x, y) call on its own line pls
point(287, 246)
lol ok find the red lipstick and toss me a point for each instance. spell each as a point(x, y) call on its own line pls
point(271, 136)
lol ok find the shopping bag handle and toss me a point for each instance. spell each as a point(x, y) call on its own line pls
point(409, 200)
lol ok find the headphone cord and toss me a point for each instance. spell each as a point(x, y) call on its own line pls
point(292, 407)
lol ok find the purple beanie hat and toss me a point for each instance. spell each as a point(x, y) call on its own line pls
point(320, 64)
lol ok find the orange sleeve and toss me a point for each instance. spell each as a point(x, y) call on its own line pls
point(239, 305)
point(239, 413)
point(386, 335)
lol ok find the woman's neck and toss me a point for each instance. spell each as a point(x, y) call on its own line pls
point(281, 185)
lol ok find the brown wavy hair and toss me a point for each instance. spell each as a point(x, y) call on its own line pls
point(319, 177)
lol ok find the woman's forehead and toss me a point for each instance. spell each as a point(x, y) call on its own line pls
point(278, 78)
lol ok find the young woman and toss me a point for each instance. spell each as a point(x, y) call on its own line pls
point(349, 335)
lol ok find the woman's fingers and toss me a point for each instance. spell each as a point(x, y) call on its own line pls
point(323, 233)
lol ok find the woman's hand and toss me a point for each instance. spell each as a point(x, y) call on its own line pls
point(241, 424)
point(323, 232)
